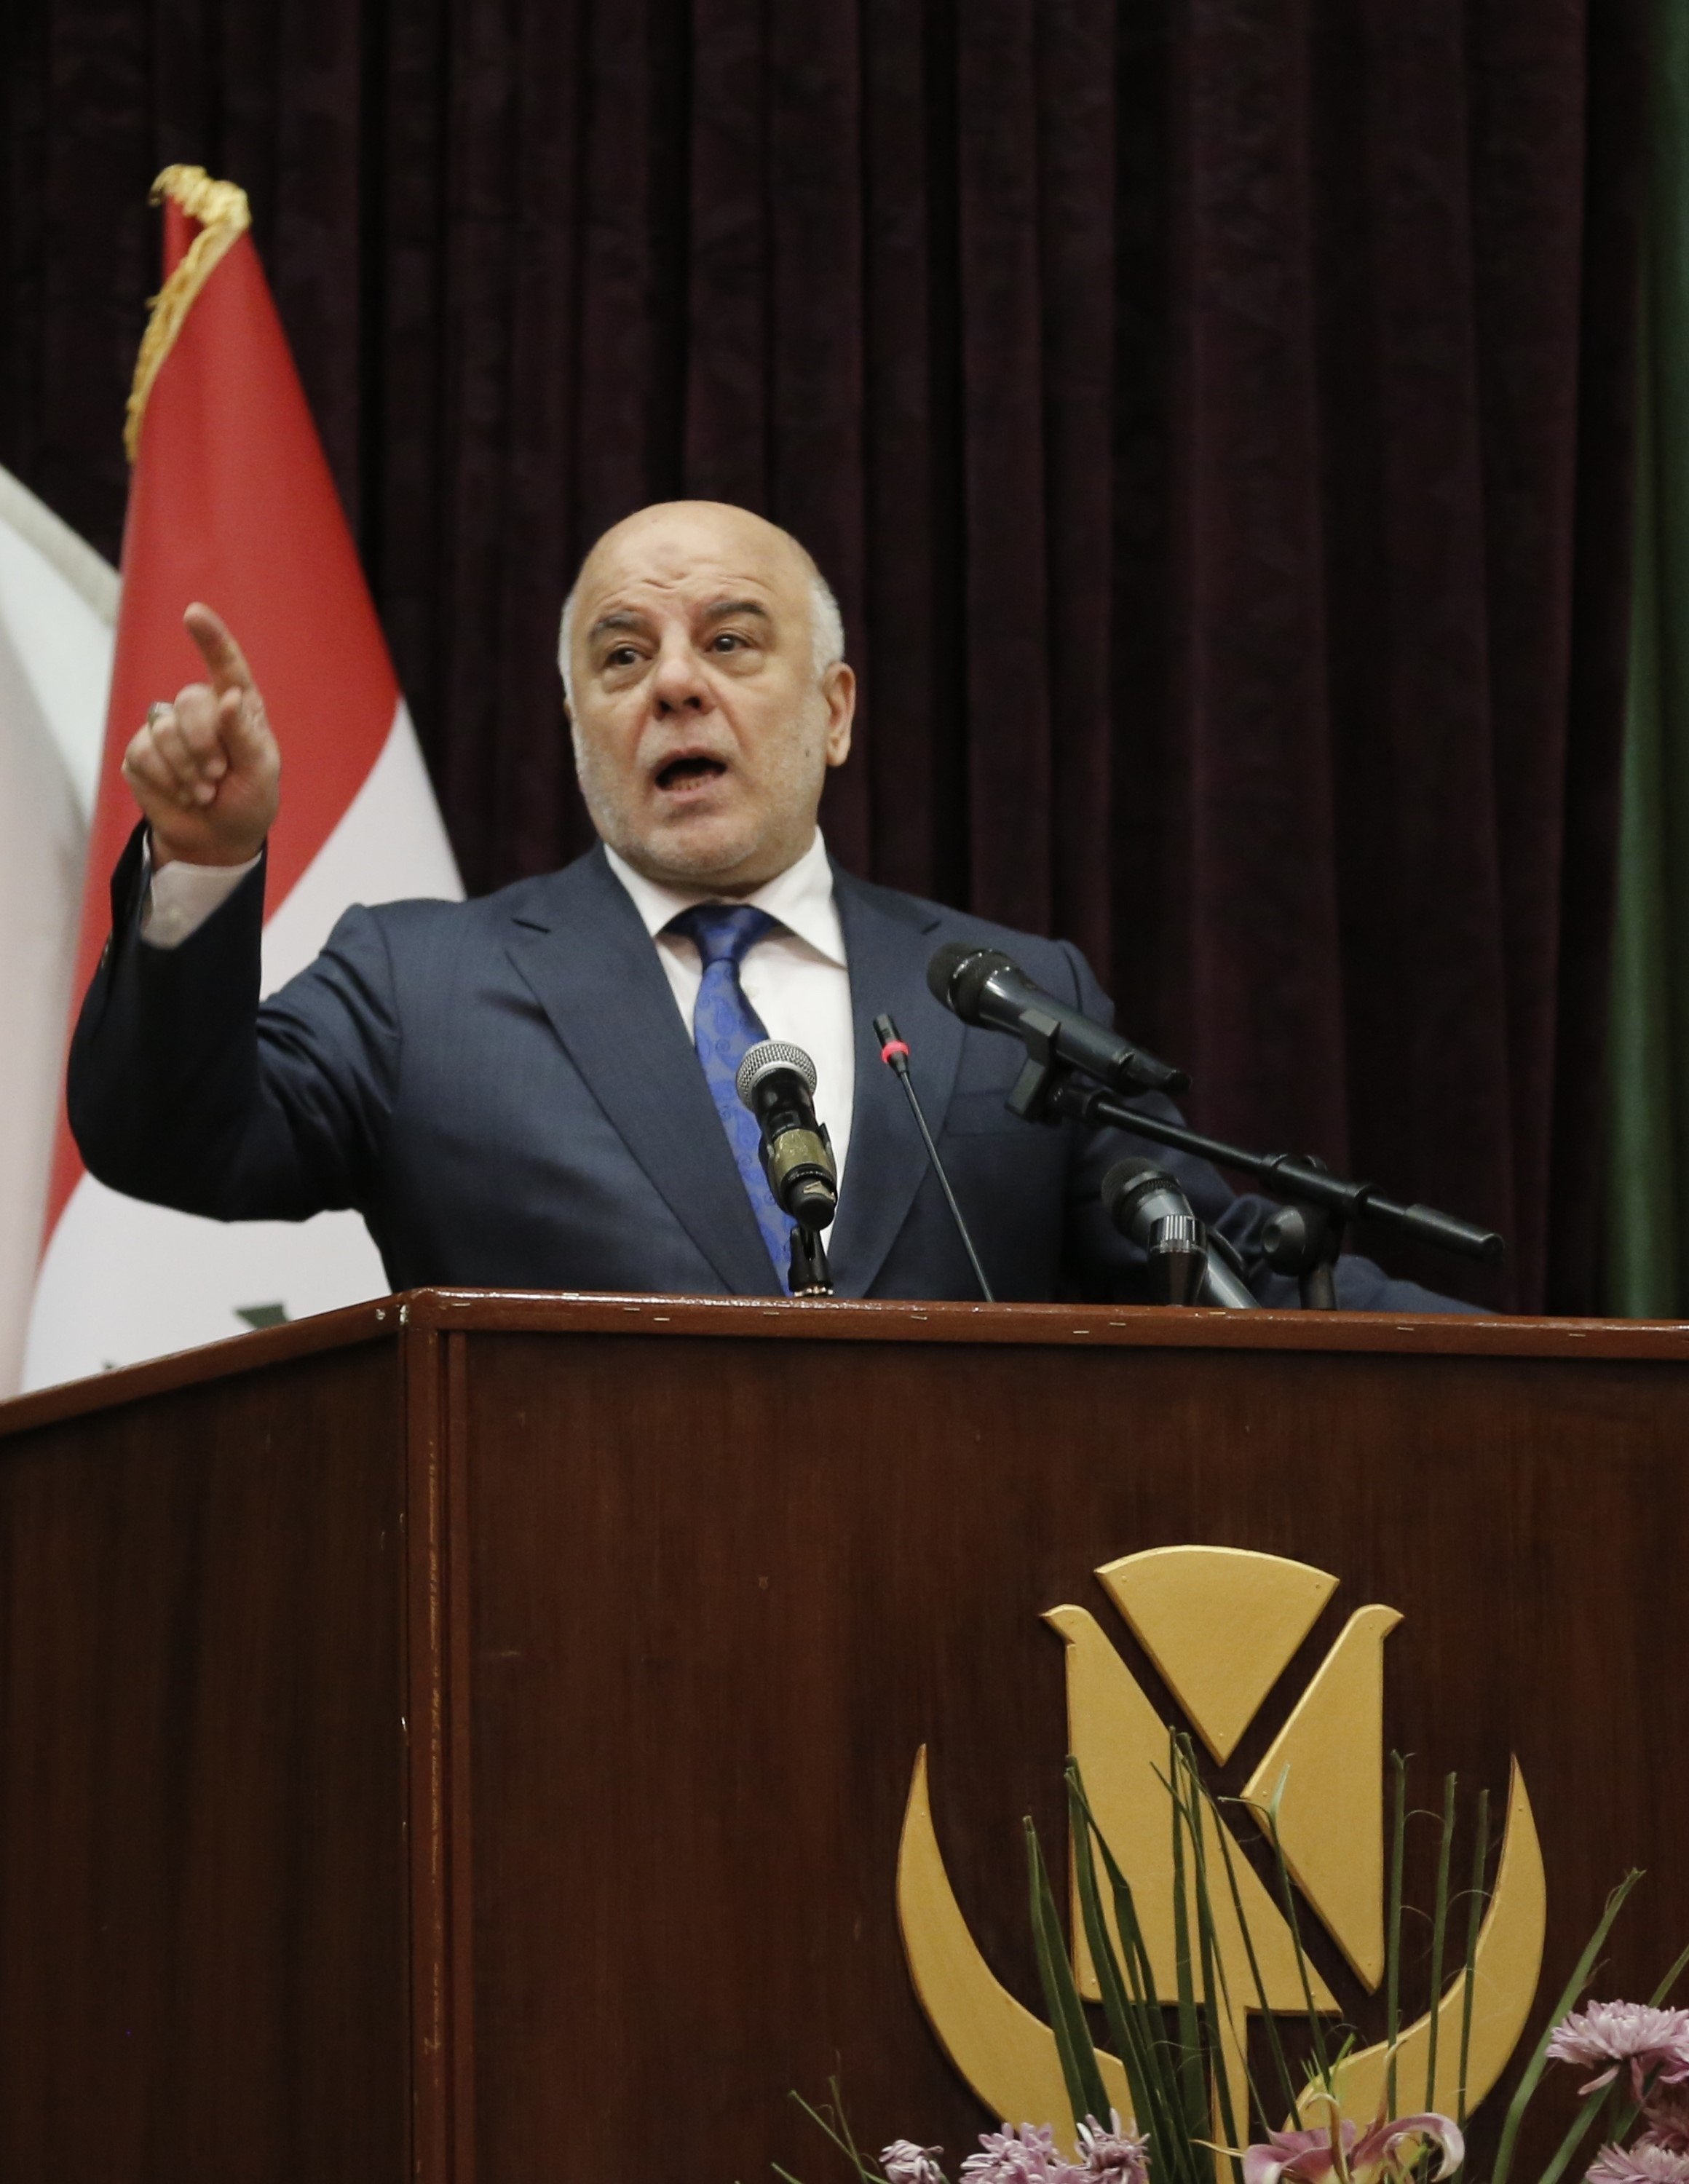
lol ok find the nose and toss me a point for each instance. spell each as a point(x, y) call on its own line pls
point(678, 685)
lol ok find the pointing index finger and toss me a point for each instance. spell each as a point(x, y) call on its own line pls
point(223, 657)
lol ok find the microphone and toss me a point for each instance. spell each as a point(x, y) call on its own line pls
point(985, 988)
point(775, 1081)
point(894, 1053)
point(1148, 1207)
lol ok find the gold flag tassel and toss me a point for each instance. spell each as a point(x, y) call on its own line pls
point(223, 214)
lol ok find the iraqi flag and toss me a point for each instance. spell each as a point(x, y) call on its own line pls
point(232, 502)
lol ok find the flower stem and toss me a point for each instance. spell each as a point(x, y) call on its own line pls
point(1392, 2023)
point(1439, 1929)
point(1474, 1920)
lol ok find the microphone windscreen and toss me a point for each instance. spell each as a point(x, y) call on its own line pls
point(762, 1061)
point(959, 973)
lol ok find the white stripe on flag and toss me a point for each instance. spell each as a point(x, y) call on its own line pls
point(59, 601)
point(389, 845)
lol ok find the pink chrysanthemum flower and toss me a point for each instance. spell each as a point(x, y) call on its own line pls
point(1026, 2156)
point(903, 2162)
point(1606, 2034)
point(1646, 2162)
point(1115, 2156)
point(1666, 2113)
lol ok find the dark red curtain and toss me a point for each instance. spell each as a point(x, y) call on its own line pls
point(1214, 416)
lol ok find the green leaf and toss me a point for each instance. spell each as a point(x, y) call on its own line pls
point(1192, 2072)
point(1576, 2135)
point(1178, 2139)
point(1131, 2027)
point(839, 2134)
point(1534, 2068)
point(1670, 1982)
point(1085, 2090)
point(1190, 2158)
point(1216, 2000)
point(1287, 2089)
point(1322, 2060)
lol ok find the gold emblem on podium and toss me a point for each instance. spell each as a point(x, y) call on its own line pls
point(1221, 1625)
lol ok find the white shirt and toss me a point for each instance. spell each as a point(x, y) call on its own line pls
point(180, 897)
point(796, 979)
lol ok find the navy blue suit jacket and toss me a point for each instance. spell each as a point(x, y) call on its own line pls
point(506, 1091)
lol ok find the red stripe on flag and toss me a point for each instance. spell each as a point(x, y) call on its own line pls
point(232, 502)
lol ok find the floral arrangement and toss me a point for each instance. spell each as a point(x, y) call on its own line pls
point(1607, 2037)
point(1638, 2051)
point(1117, 2155)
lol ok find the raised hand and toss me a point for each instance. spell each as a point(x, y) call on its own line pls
point(206, 770)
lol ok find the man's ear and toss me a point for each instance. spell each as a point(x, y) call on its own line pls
point(838, 690)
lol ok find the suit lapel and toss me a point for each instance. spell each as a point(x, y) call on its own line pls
point(886, 954)
point(580, 945)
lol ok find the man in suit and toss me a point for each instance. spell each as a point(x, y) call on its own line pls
point(534, 1090)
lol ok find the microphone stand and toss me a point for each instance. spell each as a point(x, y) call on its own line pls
point(1303, 1238)
point(808, 1274)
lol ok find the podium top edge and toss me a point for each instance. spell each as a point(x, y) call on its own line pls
point(428, 1313)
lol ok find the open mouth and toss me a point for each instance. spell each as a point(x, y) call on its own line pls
point(686, 772)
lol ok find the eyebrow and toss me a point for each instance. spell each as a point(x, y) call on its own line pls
point(626, 620)
point(720, 611)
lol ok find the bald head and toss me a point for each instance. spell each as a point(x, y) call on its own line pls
point(720, 518)
point(702, 658)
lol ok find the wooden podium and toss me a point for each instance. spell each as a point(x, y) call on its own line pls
point(466, 1737)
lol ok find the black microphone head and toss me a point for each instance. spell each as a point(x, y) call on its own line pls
point(958, 974)
point(764, 1060)
point(1130, 1181)
point(943, 967)
point(1125, 1175)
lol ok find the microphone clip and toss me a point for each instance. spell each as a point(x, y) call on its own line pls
point(1304, 1240)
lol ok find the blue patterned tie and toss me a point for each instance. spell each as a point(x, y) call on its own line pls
point(724, 1028)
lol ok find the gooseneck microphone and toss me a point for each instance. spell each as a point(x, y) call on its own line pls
point(984, 987)
point(1150, 1210)
point(894, 1053)
point(776, 1081)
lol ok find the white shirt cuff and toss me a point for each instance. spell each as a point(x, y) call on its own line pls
point(180, 897)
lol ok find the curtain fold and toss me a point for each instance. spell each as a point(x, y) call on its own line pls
point(1214, 416)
